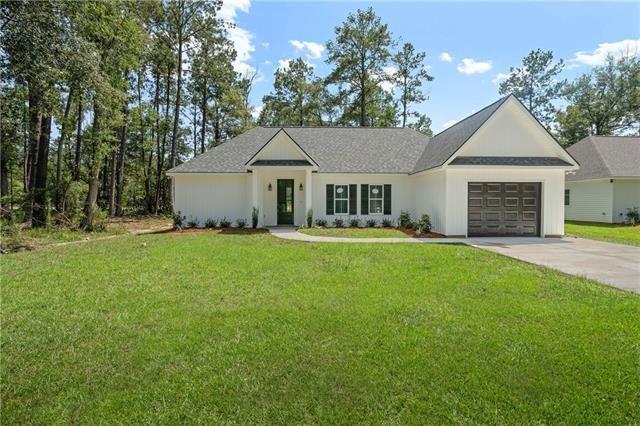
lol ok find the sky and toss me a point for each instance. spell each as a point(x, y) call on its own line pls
point(470, 46)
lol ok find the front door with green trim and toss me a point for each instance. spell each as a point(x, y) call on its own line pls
point(285, 201)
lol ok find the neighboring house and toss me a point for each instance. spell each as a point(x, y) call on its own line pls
point(497, 172)
point(608, 182)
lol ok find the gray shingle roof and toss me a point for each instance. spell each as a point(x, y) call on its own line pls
point(508, 161)
point(606, 157)
point(334, 149)
point(445, 143)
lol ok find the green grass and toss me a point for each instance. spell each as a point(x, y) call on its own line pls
point(213, 328)
point(355, 232)
point(622, 234)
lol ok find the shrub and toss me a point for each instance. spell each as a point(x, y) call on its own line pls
point(254, 217)
point(386, 223)
point(404, 220)
point(338, 223)
point(224, 222)
point(309, 218)
point(321, 222)
point(178, 220)
point(424, 224)
point(210, 223)
point(633, 216)
point(241, 223)
point(371, 223)
point(192, 223)
point(354, 222)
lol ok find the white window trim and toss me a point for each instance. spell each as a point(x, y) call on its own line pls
point(335, 199)
point(381, 185)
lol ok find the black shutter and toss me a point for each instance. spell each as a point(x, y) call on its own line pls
point(329, 200)
point(364, 199)
point(387, 199)
point(353, 200)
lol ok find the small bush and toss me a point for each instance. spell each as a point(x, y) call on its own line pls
point(424, 224)
point(371, 223)
point(255, 214)
point(210, 223)
point(354, 222)
point(241, 223)
point(405, 221)
point(338, 223)
point(321, 222)
point(178, 220)
point(309, 218)
point(386, 223)
point(633, 216)
point(192, 223)
point(224, 222)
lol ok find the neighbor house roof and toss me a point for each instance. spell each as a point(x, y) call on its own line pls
point(606, 157)
point(357, 149)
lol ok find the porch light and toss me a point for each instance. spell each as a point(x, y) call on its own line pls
point(301, 187)
point(270, 187)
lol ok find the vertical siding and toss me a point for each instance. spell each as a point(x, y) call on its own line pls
point(590, 201)
point(552, 221)
point(429, 196)
point(626, 195)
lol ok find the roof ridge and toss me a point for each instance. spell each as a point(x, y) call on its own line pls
point(341, 127)
point(504, 98)
point(602, 160)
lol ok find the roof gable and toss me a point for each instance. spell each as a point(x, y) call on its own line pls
point(280, 146)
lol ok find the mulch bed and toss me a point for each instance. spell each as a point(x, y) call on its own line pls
point(413, 233)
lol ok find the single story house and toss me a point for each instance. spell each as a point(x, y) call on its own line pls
point(497, 172)
point(607, 184)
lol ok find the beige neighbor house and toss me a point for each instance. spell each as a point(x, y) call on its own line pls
point(607, 184)
point(497, 172)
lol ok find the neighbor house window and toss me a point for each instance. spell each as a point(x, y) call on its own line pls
point(567, 197)
point(376, 199)
point(341, 197)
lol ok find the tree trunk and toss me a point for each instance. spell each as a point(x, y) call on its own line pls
point(363, 96)
point(39, 217)
point(113, 168)
point(162, 150)
point(76, 162)
point(121, 160)
point(404, 102)
point(203, 127)
point(4, 178)
point(176, 112)
point(35, 127)
point(91, 203)
point(63, 137)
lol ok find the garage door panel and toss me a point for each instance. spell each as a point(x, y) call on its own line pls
point(503, 209)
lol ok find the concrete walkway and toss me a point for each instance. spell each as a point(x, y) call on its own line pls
point(615, 265)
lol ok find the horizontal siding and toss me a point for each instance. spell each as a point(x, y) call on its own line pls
point(626, 195)
point(590, 201)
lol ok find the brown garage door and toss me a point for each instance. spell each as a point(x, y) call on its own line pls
point(503, 209)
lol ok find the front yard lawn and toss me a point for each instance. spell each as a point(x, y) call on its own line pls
point(613, 233)
point(205, 327)
point(355, 232)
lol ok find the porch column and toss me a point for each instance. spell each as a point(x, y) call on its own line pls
point(307, 194)
point(254, 190)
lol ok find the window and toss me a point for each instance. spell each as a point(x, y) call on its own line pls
point(341, 199)
point(376, 199)
point(567, 197)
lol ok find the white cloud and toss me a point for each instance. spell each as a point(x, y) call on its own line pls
point(499, 78)
point(616, 49)
point(446, 57)
point(255, 111)
point(449, 123)
point(283, 64)
point(268, 62)
point(311, 49)
point(388, 71)
point(242, 39)
point(471, 66)
point(265, 44)
point(229, 9)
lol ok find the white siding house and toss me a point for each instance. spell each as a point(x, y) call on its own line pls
point(607, 185)
point(497, 172)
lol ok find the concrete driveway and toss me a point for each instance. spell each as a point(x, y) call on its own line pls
point(616, 265)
